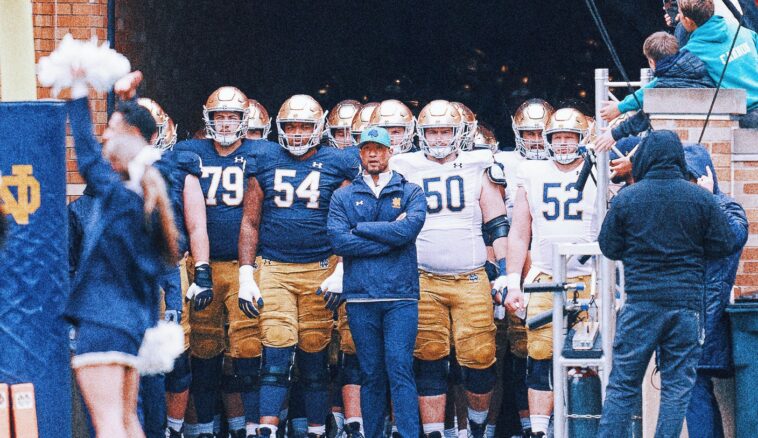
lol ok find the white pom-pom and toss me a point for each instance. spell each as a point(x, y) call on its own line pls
point(101, 65)
point(160, 347)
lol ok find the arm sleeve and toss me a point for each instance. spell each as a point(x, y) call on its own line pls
point(611, 237)
point(629, 104)
point(632, 126)
point(719, 240)
point(344, 242)
point(94, 169)
point(398, 233)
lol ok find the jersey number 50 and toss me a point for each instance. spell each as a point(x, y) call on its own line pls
point(454, 194)
point(548, 199)
point(308, 189)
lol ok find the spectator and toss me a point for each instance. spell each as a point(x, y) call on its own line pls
point(703, 416)
point(673, 68)
point(664, 253)
point(710, 39)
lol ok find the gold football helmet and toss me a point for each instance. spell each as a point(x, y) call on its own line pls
point(484, 138)
point(300, 108)
point(226, 132)
point(362, 120)
point(392, 114)
point(340, 122)
point(440, 114)
point(565, 120)
point(469, 125)
point(166, 135)
point(531, 115)
point(258, 120)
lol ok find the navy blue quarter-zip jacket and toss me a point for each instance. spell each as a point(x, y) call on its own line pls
point(378, 249)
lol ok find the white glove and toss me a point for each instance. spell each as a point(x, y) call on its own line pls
point(332, 288)
point(249, 297)
point(499, 312)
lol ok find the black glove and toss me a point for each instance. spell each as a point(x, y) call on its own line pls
point(201, 291)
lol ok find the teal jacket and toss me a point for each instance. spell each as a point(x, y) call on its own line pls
point(710, 42)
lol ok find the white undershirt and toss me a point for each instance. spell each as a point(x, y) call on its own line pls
point(384, 179)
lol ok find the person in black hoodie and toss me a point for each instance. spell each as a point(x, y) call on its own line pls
point(664, 229)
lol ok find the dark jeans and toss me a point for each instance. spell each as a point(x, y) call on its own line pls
point(703, 415)
point(640, 329)
point(385, 334)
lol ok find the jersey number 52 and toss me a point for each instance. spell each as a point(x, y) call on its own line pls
point(553, 203)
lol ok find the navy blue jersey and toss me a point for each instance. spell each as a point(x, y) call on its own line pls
point(175, 166)
point(223, 180)
point(296, 200)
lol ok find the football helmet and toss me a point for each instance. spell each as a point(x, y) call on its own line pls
point(395, 114)
point(226, 99)
point(362, 119)
point(303, 109)
point(565, 120)
point(531, 115)
point(440, 114)
point(484, 138)
point(166, 138)
point(258, 118)
point(341, 119)
point(469, 125)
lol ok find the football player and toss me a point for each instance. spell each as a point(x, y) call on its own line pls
point(225, 156)
point(182, 170)
point(339, 123)
point(285, 212)
point(548, 209)
point(258, 122)
point(397, 119)
point(484, 138)
point(469, 125)
point(362, 120)
point(452, 253)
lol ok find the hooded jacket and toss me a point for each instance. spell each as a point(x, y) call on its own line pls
point(711, 42)
point(719, 274)
point(664, 228)
point(680, 70)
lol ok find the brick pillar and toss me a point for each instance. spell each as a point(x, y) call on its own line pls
point(82, 19)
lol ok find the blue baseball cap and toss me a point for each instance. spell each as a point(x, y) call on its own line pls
point(375, 134)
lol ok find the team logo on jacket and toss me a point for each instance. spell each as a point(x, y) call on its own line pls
point(323, 264)
point(318, 165)
point(239, 159)
point(358, 203)
point(395, 202)
point(473, 278)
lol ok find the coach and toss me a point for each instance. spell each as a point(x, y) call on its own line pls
point(373, 224)
point(663, 228)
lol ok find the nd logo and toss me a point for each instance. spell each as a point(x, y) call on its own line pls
point(27, 188)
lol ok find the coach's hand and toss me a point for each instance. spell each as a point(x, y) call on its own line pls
point(201, 290)
point(249, 297)
point(332, 289)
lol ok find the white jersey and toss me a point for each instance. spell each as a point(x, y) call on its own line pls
point(560, 214)
point(451, 240)
point(511, 160)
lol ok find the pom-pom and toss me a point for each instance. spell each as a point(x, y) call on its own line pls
point(160, 347)
point(100, 65)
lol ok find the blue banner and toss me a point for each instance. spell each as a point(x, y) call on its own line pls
point(34, 258)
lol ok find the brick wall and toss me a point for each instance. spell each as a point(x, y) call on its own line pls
point(82, 19)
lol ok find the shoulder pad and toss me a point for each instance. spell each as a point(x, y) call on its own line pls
point(496, 174)
point(189, 162)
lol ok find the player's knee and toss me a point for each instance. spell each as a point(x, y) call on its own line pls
point(205, 373)
point(314, 373)
point(350, 369)
point(279, 335)
point(314, 340)
point(479, 381)
point(180, 378)
point(277, 366)
point(539, 374)
point(431, 376)
point(247, 372)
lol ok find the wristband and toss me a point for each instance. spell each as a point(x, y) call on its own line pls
point(514, 281)
point(246, 273)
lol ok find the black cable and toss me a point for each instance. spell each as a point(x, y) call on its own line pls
point(721, 78)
